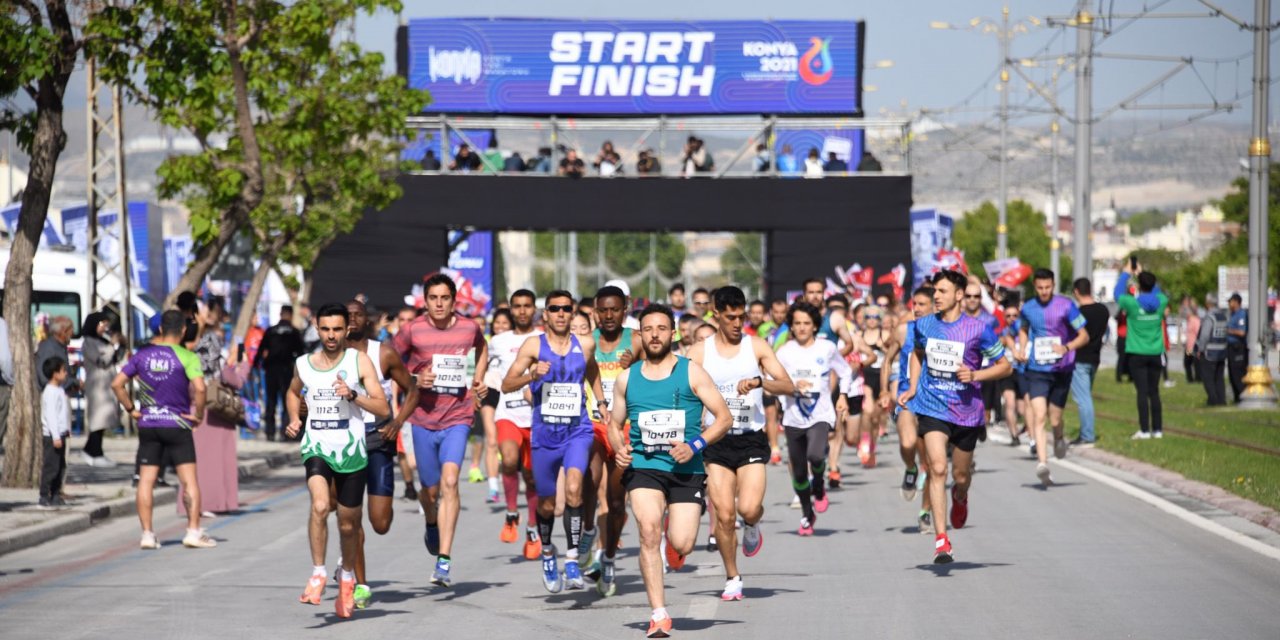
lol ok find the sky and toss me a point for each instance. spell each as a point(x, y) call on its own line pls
point(952, 69)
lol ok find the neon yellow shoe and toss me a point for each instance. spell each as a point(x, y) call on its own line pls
point(476, 476)
point(363, 594)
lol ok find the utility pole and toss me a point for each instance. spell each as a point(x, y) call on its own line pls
point(106, 190)
point(1259, 391)
point(1002, 224)
point(573, 263)
point(1081, 252)
point(1054, 245)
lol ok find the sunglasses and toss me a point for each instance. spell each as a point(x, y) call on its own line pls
point(969, 297)
point(559, 308)
point(702, 303)
point(872, 316)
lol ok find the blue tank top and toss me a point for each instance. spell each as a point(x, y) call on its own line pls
point(559, 399)
point(656, 409)
point(825, 331)
point(904, 358)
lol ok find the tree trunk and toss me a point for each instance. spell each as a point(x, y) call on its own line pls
point(250, 304)
point(206, 257)
point(23, 447)
point(295, 296)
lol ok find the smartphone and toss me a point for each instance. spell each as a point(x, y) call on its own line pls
point(1133, 263)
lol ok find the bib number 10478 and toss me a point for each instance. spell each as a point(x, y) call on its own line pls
point(659, 428)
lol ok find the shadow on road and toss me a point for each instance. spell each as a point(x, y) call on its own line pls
point(330, 618)
point(944, 570)
point(749, 593)
point(685, 624)
point(1039, 487)
point(461, 589)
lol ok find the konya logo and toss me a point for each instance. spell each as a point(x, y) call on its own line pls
point(815, 65)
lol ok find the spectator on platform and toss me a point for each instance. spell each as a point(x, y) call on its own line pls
point(696, 157)
point(869, 163)
point(647, 164)
point(540, 163)
point(465, 160)
point(763, 160)
point(787, 164)
point(493, 160)
point(611, 165)
point(834, 164)
point(514, 163)
point(605, 155)
point(572, 166)
point(430, 162)
point(813, 164)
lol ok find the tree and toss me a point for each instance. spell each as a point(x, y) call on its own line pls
point(38, 51)
point(626, 256)
point(1235, 208)
point(975, 234)
point(1144, 221)
point(191, 64)
point(740, 264)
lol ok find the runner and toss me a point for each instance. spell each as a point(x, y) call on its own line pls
point(910, 446)
point(1054, 329)
point(809, 412)
point(617, 347)
point(737, 364)
point(435, 347)
point(555, 367)
point(380, 437)
point(834, 328)
point(514, 417)
point(341, 386)
point(945, 397)
point(501, 323)
point(1014, 389)
point(774, 332)
point(973, 308)
point(172, 394)
point(662, 450)
point(879, 340)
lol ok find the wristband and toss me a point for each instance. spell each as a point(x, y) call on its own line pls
point(697, 444)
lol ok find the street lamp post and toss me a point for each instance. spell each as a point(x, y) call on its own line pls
point(1081, 252)
point(1259, 392)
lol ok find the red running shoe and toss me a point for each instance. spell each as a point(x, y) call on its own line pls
point(959, 511)
point(942, 550)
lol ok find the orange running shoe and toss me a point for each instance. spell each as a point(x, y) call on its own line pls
point(532, 546)
point(345, 603)
point(314, 590)
point(775, 457)
point(659, 628)
point(510, 530)
point(675, 562)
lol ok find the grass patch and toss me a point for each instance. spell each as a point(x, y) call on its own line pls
point(1248, 474)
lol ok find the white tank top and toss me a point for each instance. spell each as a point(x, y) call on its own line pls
point(747, 410)
point(335, 427)
point(374, 350)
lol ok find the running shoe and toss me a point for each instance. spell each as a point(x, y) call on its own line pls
point(551, 572)
point(752, 540)
point(440, 577)
point(314, 590)
point(833, 479)
point(732, 589)
point(1042, 472)
point(149, 540)
point(587, 542)
point(592, 571)
point(532, 545)
point(926, 522)
point(573, 575)
point(820, 505)
point(959, 510)
point(659, 628)
point(864, 451)
point(363, 594)
point(510, 529)
point(871, 461)
point(1157, 435)
point(494, 497)
point(475, 476)
point(1060, 448)
point(795, 502)
point(198, 539)
point(432, 540)
point(675, 561)
point(1031, 448)
point(410, 493)
point(1141, 435)
point(775, 457)
point(942, 550)
point(605, 586)
point(909, 478)
point(345, 604)
point(806, 527)
point(712, 547)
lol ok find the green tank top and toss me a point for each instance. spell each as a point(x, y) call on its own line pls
point(660, 411)
point(610, 369)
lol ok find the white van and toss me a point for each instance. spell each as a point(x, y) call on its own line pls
point(60, 287)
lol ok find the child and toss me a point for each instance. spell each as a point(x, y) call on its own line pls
point(55, 420)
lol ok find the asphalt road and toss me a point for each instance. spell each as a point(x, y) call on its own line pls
point(1080, 560)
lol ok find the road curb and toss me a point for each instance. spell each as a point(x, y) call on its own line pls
point(1207, 493)
point(82, 517)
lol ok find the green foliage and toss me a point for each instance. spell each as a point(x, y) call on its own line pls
point(740, 265)
point(25, 57)
point(626, 254)
point(975, 234)
point(1142, 222)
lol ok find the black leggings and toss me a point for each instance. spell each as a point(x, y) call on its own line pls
point(807, 451)
point(93, 445)
point(1145, 371)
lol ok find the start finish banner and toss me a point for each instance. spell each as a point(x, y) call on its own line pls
point(626, 67)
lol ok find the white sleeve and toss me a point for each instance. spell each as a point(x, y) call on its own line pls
point(50, 414)
point(841, 367)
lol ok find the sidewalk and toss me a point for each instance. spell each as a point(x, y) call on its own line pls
point(98, 493)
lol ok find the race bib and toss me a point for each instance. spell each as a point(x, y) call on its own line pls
point(814, 388)
point(740, 408)
point(1044, 352)
point(325, 410)
point(561, 402)
point(659, 428)
point(451, 373)
point(943, 357)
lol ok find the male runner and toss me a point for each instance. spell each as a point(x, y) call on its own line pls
point(910, 446)
point(341, 386)
point(514, 417)
point(774, 331)
point(555, 367)
point(435, 347)
point(945, 397)
point(662, 450)
point(172, 395)
point(1054, 328)
point(835, 329)
point(737, 365)
point(380, 437)
point(617, 348)
point(973, 307)
point(1014, 389)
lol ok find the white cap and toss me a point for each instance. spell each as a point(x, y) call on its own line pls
point(621, 284)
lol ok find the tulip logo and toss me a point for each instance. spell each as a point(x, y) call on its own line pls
point(815, 65)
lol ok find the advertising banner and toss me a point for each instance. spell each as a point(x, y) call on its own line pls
point(177, 253)
point(50, 236)
point(471, 266)
point(75, 226)
point(634, 67)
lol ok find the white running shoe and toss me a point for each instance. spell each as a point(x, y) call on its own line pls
point(1141, 435)
point(795, 502)
point(198, 539)
point(149, 540)
point(732, 589)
